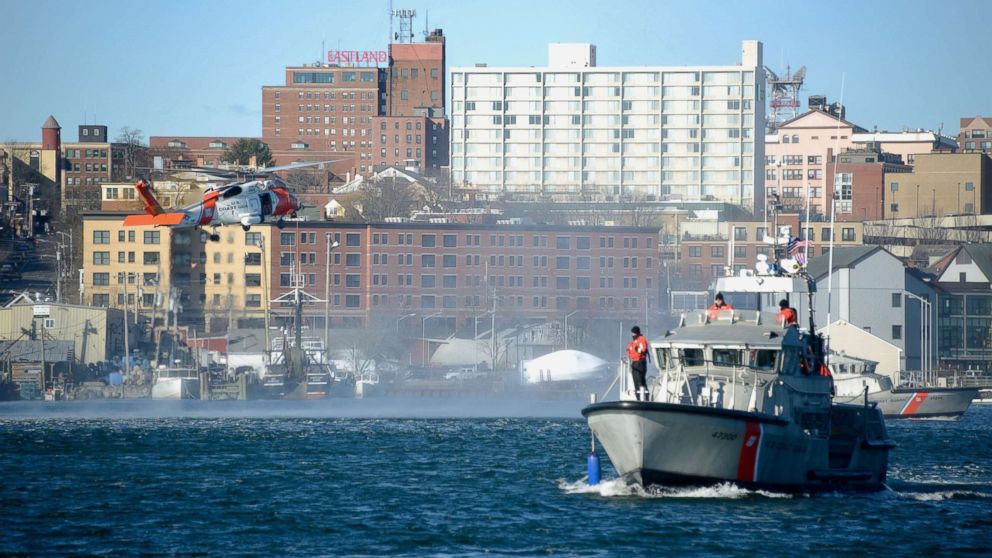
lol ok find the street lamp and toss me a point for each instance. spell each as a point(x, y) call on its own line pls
point(566, 326)
point(265, 306)
point(400, 319)
point(327, 289)
point(926, 336)
point(423, 334)
point(475, 340)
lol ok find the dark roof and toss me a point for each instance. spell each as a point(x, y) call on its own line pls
point(981, 254)
point(844, 257)
point(51, 123)
point(30, 351)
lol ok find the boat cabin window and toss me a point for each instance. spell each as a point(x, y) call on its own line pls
point(661, 357)
point(692, 357)
point(763, 359)
point(791, 357)
point(727, 357)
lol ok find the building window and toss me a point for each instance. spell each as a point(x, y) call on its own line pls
point(450, 241)
point(352, 301)
point(152, 237)
point(101, 258)
point(716, 251)
point(101, 279)
point(427, 260)
point(847, 234)
point(352, 260)
point(969, 186)
point(740, 233)
point(352, 280)
point(896, 300)
point(151, 258)
point(695, 251)
point(253, 301)
point(897, 332)
point(352, 239)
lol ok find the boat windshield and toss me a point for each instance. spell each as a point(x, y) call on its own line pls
point(763, 359)
point(692, 357)
point(726, 357)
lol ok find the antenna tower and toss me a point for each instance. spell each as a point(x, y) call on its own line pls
point(405, 34)
point(783, 104)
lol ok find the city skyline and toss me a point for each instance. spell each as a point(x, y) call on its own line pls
point(227, 65)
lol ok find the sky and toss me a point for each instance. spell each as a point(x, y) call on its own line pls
point(186, 67)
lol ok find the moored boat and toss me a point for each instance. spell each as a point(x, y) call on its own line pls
point(852, 376)
point(176, 383)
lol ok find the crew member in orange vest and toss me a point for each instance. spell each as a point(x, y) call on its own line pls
point(718, 306)
point(786, 315)
point(637, 352)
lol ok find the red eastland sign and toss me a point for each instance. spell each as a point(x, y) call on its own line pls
point(357, 57)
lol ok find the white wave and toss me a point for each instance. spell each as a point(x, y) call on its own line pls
point(945, 495)
point(618, 488)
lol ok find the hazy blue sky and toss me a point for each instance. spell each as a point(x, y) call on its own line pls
point(195, 68)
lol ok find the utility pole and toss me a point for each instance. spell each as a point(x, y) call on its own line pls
point(58, 274)
point(265, 306)
point(327, 292)
point(127, 346)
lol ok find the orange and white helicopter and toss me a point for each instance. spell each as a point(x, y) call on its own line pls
point(240, 203)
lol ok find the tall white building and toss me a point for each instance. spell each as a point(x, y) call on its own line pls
point(576, 131)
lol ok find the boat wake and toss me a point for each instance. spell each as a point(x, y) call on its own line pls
point(937, 492)
point(613, 488)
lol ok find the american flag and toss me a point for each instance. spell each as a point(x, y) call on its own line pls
point(796, 249)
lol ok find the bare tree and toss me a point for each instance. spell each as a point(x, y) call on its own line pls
point(133, 153)
point(388, 197)
point(304, 181)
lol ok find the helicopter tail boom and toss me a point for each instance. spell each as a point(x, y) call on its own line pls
point(152, 207)
point(160, 220)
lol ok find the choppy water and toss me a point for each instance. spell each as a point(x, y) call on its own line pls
point(142, 478)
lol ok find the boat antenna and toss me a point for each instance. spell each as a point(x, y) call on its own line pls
point(833, 207)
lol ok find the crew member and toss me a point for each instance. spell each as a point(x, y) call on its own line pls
point(718, 306)
point(786, 316)
point(637, 351)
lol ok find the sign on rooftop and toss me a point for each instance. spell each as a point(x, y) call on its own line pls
point(357, 57)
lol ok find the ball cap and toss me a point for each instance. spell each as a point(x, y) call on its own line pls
point(636, 330)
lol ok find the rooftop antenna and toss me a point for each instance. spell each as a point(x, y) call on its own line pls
point(427, 17)
point(405, 34)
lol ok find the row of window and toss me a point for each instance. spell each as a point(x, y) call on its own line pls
point(430, 240)
point(149, 237)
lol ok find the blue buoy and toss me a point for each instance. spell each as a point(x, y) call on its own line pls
point(594, 472)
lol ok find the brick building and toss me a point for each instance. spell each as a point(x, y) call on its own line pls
point(941, 184)
point(861, 176)
point(707, 249)
point(184, 152)
point(534, 271)
point(416, 77)
point(976, 134)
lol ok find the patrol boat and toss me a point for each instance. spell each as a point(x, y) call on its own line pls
point(852, 376)
point(740, 398)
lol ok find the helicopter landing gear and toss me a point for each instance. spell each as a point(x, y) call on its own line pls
point(280, 223)
point(214, 237)
point(293, 215)
point(246, 228)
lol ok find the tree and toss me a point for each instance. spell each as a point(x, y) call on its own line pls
point(134, 153)
point(241, 152)
point(388, 197)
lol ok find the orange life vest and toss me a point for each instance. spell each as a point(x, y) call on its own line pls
point(786, 314)
point(637, 349)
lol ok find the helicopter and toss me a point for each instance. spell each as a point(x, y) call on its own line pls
point(245, 203)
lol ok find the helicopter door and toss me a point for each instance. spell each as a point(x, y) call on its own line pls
point(266, 200)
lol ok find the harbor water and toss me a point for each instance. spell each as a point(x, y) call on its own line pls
point(413, 478)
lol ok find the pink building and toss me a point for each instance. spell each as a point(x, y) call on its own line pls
point(797, 154)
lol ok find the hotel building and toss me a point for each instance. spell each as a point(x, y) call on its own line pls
point(576, 131)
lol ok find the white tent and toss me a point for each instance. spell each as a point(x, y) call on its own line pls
point(563, 366)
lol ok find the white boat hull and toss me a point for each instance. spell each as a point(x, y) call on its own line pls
point(176, 388)
point(672, 445)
